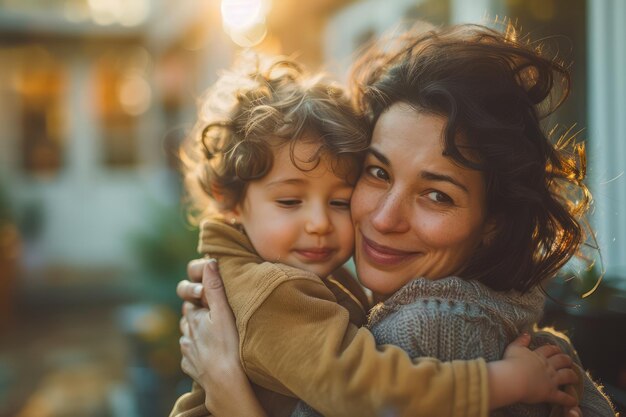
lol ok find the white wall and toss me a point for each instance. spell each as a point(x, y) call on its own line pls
point(607, 127)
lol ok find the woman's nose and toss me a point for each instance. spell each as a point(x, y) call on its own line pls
point(390, 215)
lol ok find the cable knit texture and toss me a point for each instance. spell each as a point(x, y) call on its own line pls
point(454, 319)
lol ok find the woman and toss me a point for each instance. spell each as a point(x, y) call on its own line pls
point(462, 188)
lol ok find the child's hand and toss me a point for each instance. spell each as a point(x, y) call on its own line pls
point(540, 372)
point(530, 376)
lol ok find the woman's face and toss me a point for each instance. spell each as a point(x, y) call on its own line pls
point(416, 212)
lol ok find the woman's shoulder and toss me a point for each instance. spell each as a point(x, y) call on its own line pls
point(453, 295)
point(459, 302)
point(422, 297)
point(430, 318)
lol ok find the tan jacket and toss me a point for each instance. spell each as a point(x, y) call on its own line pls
point(297, 341)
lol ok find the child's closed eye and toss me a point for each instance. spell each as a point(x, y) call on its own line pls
point(342, 204)
point(288, 202)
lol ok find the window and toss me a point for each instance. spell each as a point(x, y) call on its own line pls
point(40, 85)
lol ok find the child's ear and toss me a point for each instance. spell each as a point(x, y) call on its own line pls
point(233, 216)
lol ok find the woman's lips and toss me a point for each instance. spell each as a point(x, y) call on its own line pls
point(315, 254)
point(384, 255)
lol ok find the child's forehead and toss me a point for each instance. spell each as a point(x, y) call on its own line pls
point(304, 151)
point(309, 158)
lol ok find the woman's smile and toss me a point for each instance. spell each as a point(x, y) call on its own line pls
point(383, 255)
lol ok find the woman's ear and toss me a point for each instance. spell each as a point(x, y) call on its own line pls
point(490, 230)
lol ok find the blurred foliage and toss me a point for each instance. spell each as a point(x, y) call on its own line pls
point(165, 247)
point(32, 219)
point(163, 250)
point(6, 214)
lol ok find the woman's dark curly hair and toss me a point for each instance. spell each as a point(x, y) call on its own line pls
point(260, 104)
point(494, 89)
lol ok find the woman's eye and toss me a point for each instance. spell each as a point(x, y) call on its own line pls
point(439, 197)
point(340, 203)
point(288, 202)
point(377, 172)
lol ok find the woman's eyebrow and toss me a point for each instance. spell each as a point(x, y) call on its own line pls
point(382, 158)
point(433, 176)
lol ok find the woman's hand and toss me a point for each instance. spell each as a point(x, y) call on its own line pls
point(191, 290)
point(210, 348)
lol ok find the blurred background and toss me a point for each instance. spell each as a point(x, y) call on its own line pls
point(95, 98)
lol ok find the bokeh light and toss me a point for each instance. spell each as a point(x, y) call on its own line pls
point(244, 20)
point(135, 94)
point(124, 12)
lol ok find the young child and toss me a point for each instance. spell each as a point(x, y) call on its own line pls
point(275, 158)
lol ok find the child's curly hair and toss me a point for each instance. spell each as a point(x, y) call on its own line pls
point(494, 89)
point(260, 104)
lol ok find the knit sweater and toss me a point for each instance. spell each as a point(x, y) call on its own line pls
point(453, 318)
point(297, 341)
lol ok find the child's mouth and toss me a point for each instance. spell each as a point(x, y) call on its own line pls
point(315, 254)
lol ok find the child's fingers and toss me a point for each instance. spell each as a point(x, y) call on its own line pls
point(521, 340)
point(566, 376)
point(562, 398)
point(214, 295)
point(548, 350)
point(573, 412)
point(560, 360)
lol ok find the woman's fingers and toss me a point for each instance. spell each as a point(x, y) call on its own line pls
point(214, 295)
point(195, 267)
point(184, 326)
point(189, 291)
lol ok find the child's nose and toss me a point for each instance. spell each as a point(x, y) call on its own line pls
point(318, 222)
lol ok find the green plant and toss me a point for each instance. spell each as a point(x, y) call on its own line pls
point(165, 248)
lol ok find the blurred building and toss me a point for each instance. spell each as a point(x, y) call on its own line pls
point(94, 97)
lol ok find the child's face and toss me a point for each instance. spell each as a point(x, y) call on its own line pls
point(299, 217)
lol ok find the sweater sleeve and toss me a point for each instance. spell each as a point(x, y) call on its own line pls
point(317, 355)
